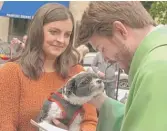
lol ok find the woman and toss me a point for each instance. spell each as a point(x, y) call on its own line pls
point(47, 62)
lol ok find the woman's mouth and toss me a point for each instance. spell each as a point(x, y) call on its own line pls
point(57, 47)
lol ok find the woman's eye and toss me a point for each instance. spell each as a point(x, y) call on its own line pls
point(67, 35)
point(53, 32)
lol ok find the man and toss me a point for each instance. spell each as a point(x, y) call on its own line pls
point(107, 72)
point(124, 32)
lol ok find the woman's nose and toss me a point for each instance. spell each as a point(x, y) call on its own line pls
point(61, 39)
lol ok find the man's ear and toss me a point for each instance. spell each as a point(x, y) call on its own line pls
point(119, 27)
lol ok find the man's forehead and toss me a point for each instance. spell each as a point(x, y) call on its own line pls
point(96, 41)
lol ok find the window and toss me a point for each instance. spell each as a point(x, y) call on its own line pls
point(18, 27)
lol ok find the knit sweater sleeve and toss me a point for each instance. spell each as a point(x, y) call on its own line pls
point(90, 116)
point(9, 97)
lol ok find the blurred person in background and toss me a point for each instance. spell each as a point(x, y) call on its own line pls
point(24, 38)
point(106, 71)
point(83, 50)
point(17, 47)
point(5, 53)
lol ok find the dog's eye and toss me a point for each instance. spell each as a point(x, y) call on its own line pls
point(85, 81)
point(69, 92)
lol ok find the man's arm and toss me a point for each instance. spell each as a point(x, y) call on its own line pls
point(111, 115)
point(147, 110)
point(94, 63)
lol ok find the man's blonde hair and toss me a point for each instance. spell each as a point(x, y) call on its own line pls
point(99, 16)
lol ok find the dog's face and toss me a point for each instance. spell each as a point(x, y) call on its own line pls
point(82, 88)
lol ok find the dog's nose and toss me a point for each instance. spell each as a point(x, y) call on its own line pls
point(99, 81)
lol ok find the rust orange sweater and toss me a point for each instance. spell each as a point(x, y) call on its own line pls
point(21, 98)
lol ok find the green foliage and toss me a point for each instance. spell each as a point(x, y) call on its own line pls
point(147, 4)
point(158, 11)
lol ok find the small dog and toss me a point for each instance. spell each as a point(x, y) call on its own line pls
point(66, 104)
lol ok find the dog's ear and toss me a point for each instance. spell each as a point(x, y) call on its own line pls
point(71, 85)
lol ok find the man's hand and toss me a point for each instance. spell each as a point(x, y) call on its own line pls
point(98, 100)
point(59, 124)
point(101, 74)
point(15, 41)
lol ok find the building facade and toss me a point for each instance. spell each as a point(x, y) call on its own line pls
point(17, 27)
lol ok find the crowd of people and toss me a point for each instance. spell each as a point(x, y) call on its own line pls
point(121, 32)
point(11, 51)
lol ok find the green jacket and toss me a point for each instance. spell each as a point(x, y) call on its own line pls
point(146, 108)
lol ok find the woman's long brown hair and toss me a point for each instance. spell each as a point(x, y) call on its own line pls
point(32, 59)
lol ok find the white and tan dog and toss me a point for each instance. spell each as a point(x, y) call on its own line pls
point(66, 104)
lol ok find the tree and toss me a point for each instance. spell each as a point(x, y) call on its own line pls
point(147, 4)
point(158, 11)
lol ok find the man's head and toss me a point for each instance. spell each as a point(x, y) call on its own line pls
point(115, 29)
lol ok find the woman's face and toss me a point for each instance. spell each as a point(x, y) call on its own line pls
point(56, 38)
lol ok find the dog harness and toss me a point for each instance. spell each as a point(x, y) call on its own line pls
point(69, 111)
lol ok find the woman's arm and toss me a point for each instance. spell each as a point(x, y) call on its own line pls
point(9, 97)
point(90, 118)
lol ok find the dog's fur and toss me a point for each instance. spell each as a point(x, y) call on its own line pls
point(79, 90)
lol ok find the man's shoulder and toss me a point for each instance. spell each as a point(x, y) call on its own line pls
point(159, 53)
point(151, 70)
point(155, 60)
point(150, 78)
point(154, 67)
